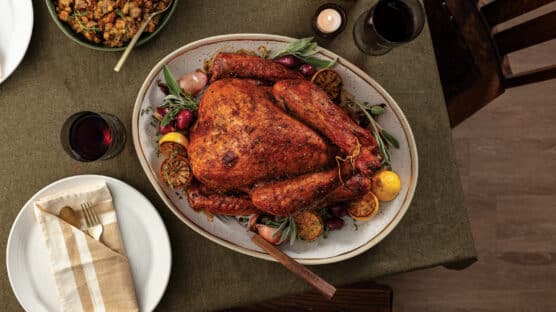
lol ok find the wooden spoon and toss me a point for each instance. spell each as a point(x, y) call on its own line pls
point(322, 286)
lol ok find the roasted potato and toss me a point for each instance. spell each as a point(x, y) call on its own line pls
point(309, 225)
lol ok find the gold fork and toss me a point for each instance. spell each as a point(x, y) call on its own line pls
point(94, 227)
point(135, 38)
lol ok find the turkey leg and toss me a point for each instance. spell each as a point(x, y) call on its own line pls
point(310, 104)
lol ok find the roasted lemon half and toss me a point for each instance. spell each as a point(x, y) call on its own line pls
point(175, 171)
point(365, 208)
point(173, 143)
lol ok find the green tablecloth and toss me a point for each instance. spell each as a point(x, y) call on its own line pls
point(59, 77)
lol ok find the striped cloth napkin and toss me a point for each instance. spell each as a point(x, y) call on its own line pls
point(90, 275)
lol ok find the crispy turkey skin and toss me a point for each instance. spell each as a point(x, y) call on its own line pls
point(241, 137)
point(235, 65)
point(275, 147)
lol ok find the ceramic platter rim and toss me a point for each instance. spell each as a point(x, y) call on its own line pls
point(235, 38)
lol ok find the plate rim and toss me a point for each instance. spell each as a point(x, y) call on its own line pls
point(5, 76)
point(261, 255)
point(9, 242)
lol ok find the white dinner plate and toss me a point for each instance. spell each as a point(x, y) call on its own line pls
point(352, 239)
point(145, 240)
point(16, 25)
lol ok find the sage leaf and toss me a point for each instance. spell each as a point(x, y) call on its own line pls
point(377, 110)
point(305, 49)
point(299, 45)
point(317, 62)
point(310, 49)
point(171, 81)
point(390, 139)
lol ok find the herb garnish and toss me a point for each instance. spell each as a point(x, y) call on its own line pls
point(120, 13)
point(286, 226)
point(376, 110)
point(166, 173)
point(146, 110)
point(177, 100)
point(382, 137)
point(305, 49)
point(77, 17)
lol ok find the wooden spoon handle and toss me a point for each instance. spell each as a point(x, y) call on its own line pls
point(295, 267)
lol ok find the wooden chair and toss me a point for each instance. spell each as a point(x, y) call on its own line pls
point(472, 55)
point(366, 296)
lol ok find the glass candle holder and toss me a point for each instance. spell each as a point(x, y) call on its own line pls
point(329, 20)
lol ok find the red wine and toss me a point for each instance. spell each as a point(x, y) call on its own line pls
point(388, 24)
point(90, 136)
point(393, 20)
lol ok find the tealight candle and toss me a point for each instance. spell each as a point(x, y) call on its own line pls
point(329, 20)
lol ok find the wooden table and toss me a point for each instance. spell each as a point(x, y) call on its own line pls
point(59, 77)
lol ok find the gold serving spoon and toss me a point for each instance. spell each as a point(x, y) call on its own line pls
point(135, 38)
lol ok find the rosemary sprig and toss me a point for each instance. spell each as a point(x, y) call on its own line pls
point(382, 137)
point(177, 100)
point(286, 227)
point(305, 49)
point(280, 228)
point(293, 234)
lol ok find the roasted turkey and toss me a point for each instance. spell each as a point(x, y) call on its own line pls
point(268, 141)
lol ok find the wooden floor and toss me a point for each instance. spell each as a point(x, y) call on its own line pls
point(506, 155)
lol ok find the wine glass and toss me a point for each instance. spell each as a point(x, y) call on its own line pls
point(388, 24)
point(89, 136)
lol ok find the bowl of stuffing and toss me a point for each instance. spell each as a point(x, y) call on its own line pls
point(108, 25)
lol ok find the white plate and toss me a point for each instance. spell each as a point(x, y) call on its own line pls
point(340, 245)
point(145, 239)
point(16, 25)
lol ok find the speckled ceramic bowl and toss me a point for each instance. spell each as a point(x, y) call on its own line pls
point(66, 29)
